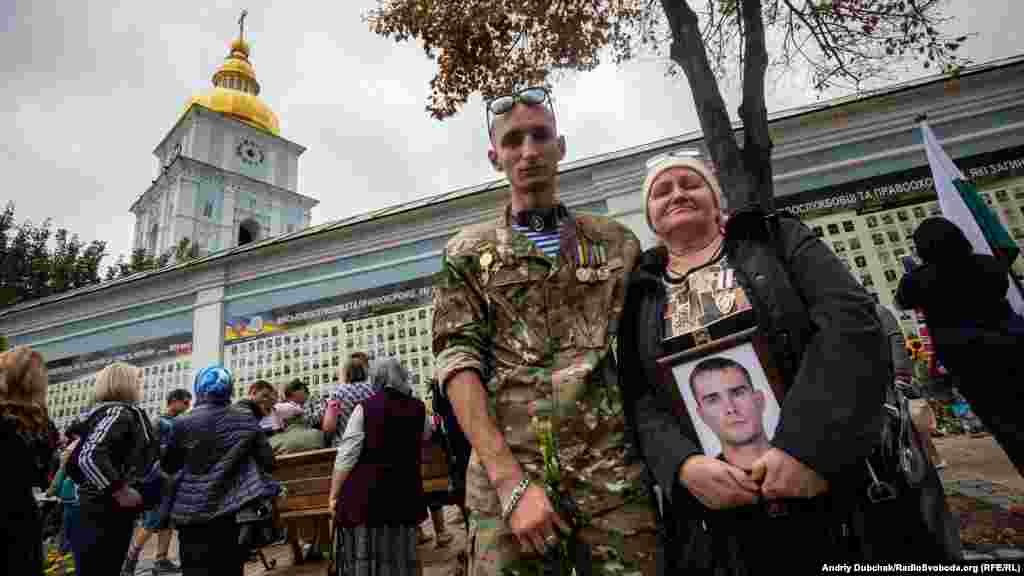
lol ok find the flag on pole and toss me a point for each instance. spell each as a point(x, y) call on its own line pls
point(961, 205)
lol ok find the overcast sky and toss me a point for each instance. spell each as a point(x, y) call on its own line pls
point(90, 89)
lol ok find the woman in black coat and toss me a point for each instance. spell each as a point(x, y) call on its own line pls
point(821, 344)
point(28, 442)
point(976, 334)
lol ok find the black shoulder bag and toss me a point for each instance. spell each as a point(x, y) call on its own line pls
point(903, 485)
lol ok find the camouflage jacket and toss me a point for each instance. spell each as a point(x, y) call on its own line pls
point(540, 332)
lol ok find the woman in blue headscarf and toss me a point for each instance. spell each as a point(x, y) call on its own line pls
point(224, 460)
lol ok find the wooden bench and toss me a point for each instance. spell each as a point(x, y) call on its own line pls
point(307, 478)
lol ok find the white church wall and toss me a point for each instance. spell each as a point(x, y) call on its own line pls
point(283, 169)
point(202, 138)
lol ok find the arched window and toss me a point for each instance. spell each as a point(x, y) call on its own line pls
point(248, 231)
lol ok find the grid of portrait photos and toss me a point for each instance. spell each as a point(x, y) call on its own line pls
point(69, 399)
point(316, 352)
point(873, 244)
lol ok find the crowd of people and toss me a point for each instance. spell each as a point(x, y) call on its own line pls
point(122, 478)
point(738, 359)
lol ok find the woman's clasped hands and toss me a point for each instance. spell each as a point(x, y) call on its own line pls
point(775, 475)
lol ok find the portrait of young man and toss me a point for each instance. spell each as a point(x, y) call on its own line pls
point(729, 404)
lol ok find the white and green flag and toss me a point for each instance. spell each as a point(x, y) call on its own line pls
point(961, 205)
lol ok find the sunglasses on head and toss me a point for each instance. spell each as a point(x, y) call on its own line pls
point(529, 96)
point(533, 96)
point(675, 154)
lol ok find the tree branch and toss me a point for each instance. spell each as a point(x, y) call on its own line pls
point(688, 52)
point(820, 36)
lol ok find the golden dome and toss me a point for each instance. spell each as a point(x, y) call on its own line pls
point(240, 106)
point(235, 92)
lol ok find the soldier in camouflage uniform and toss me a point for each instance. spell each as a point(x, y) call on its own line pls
point(523, 340)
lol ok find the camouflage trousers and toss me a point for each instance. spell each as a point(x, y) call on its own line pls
point(493, 550)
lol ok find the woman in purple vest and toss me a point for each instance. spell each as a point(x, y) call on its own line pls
point(377, 490)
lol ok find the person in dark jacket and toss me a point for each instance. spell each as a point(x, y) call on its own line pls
point(824, 354)
point(28, 440)
point(260, 402)
point(377, 488)
point(114, 456)
point(976, 334)
point(178, 402)
point(223, 458)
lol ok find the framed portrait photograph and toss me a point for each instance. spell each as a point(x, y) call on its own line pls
point(731, 392)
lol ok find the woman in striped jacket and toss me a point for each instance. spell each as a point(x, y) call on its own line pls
point(115, 453)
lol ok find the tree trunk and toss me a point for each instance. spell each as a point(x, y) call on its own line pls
point(757, 141)
point(745, 175)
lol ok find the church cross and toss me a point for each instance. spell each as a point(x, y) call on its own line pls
point(241, 24)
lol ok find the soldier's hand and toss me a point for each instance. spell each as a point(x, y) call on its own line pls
point(535, 522)
point(782, 476)
point(718, 485)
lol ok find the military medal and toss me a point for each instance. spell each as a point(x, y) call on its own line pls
point(725, 301)
point(725, 295)
point(536, 223)
point(486, 260)
point(591, 260)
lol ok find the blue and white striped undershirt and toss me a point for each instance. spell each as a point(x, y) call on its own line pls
point(548, 242)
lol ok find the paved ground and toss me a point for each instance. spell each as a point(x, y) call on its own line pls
point(976, 467)
point(436, 561)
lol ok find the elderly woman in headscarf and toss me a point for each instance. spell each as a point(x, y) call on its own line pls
point(977, 335)
point(818, 338)
point(377, 489)
point(222, 459)
point(28, 440)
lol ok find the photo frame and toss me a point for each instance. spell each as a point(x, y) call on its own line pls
point(740, 391)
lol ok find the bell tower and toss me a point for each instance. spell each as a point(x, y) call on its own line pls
point(225, 177)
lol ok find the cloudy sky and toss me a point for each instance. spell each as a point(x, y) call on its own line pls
point(90, 88)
